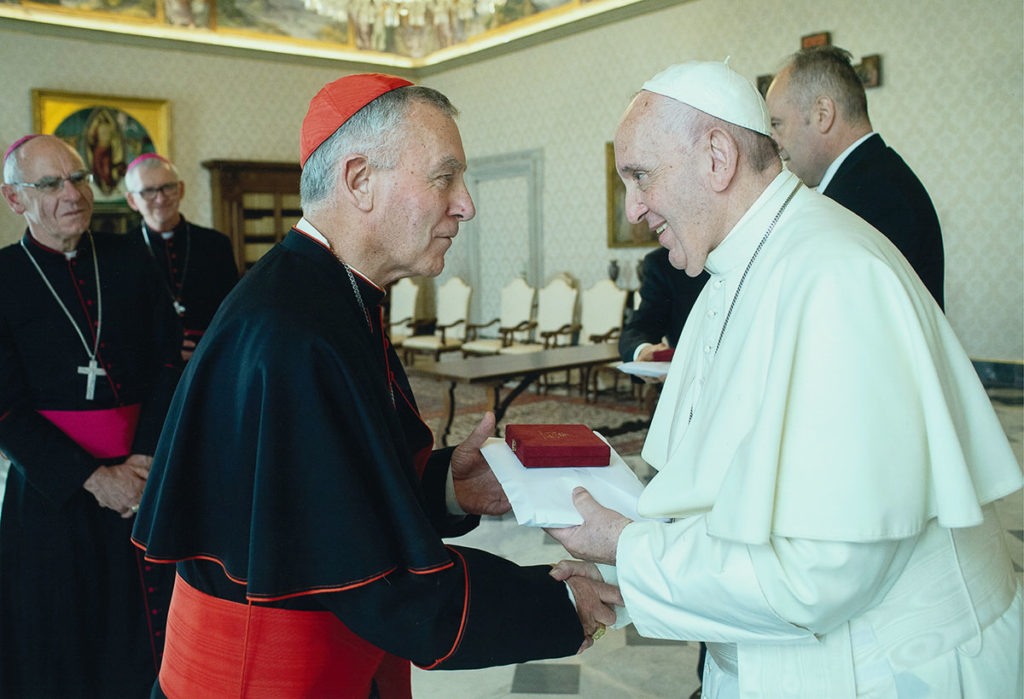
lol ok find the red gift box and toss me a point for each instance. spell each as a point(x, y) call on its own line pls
point(545, 446)
point(664, 355)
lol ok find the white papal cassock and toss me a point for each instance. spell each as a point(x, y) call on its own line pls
point(829, 470)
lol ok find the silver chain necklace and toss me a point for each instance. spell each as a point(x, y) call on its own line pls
point(176, 299)
point(366, 315)
point(757, 251)
point(92, 369)
point(355, 290)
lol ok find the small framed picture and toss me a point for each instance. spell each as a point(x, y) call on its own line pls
point(622, 233)
point(819, 39)
point(870, 70)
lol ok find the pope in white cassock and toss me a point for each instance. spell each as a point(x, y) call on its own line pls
point(827, 457)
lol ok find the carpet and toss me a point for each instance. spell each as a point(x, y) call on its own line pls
point(615, 414)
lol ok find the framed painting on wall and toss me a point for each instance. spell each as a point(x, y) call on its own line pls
point(820, 39)
point(869, 70)
point(622, 233)
point(108, 132)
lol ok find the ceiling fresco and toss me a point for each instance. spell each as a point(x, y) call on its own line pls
point(410, 34)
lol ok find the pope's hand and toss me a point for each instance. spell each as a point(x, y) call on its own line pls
point(598, 537)
point(476, 487)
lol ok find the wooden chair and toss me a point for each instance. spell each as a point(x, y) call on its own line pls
point(450, 329)
point(555, 324)
point(556, 314)
point(404, 295)
point(600, 321)
point(516, 309)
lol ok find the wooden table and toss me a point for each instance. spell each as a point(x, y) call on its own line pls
point(496, 370)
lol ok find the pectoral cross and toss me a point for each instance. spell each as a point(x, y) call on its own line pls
point(92, 371)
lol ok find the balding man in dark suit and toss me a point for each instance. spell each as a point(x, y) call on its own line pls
point(820, 120)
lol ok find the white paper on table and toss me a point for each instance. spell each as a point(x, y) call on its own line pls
point(645, 368)
point(542, 497)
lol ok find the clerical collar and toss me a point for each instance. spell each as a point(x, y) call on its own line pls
point(834, 167)
point(180, 226)
point(734, 251)
point(309, 230)
point(67, 255)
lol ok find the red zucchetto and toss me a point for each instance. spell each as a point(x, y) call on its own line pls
point(337, 102)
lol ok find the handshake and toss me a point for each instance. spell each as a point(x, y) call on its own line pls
point(478, 491)
point(595, 541)
point(593, 597)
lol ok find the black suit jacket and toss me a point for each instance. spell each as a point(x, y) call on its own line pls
point(666, 296)
point(875, 183)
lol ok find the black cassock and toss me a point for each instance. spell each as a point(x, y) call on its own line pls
point(294, 457)
point(196, 267)
point(80, 613)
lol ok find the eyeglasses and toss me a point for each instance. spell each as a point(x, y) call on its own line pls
point(168, 190)
point(50, 185)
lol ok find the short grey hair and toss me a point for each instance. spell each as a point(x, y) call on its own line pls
point(374, 131)
point(827, 70)
point(132, 181)
point(760, 151)
point(12, 168)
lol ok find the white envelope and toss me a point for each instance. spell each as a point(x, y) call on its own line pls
point(645, 368)
point(542, 497)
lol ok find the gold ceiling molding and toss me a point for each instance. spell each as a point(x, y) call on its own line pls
point(411, 37)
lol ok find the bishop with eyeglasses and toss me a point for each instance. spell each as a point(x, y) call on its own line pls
point(195, 265)
point(88, 363)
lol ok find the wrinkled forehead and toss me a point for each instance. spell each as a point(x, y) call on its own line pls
point(643, 111)
point(45, 157)
point(429, 134)
point(158, 173)
point(639, 123)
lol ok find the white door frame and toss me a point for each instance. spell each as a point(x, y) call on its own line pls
point(530, 165)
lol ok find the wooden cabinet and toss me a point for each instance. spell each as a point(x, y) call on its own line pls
point(254, 203)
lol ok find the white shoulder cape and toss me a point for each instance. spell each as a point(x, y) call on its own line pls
point(840, 404)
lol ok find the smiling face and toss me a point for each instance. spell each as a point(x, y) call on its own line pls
point(424, 198)
point(665, 180)
point(159, 208)
point(55, 219)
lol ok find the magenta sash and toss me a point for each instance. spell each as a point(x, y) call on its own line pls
point(105, 434)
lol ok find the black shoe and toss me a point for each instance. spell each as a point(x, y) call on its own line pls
point(696, 693)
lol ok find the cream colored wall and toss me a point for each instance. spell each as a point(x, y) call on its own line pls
point(951, 104)
point(221, 107)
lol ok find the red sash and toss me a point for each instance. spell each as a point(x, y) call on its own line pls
point(106, 434)
point(217, 648)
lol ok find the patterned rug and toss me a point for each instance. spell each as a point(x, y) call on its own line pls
point(616, 414)
point(620, 417)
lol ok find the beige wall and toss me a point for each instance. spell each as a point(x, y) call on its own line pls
point(951, 104)
point(220, 107)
